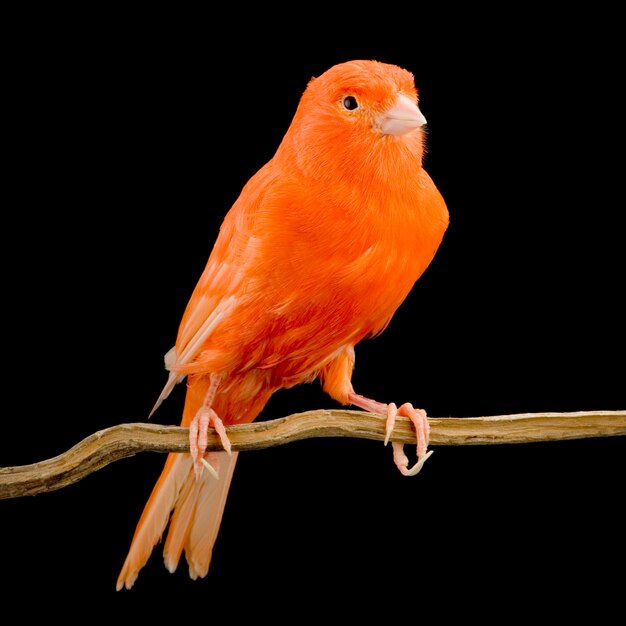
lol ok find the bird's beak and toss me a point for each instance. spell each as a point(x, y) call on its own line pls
point(401, 118)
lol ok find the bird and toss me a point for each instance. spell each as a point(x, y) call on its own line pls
point(321, 247)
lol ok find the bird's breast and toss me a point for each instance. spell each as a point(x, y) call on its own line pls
point(342, 278)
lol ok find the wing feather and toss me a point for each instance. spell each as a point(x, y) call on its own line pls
point(221, 287)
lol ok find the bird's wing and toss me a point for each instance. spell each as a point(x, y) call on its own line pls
point(219, 289)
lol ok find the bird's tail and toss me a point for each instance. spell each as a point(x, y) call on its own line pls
point(197, 505)
point(192, 506)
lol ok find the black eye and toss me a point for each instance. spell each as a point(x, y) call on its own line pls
point(350, 103)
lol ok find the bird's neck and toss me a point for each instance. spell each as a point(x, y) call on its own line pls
point(373, 167)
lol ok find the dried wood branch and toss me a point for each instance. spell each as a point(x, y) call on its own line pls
point(118, 442)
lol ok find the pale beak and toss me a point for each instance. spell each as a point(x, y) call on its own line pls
point(401, 118)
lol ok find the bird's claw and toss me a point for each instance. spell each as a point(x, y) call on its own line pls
point(392, 411)
point(422, 430)
point(198, 439)
point(210, 468)
point(402, 461)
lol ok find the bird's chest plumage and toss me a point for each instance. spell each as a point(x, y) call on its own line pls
point(349, 266)
point(332, 264)
point(338, 285)
point(392, 247)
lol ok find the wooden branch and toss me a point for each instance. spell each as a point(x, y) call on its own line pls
point(118, 442)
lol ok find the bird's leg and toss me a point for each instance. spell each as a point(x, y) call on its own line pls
point(419, 421)
point(198, 430)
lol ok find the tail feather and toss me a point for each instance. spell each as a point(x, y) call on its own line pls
point(155, 516)
point(195, 505)
point(198, 506)
point(178, 531)
point(209, 509)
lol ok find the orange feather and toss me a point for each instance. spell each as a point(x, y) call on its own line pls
point(317, 253)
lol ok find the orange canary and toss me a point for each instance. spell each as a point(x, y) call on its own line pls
point(320, 249)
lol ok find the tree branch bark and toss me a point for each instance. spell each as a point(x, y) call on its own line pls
point(118, 442)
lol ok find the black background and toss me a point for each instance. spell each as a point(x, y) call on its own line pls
point(126, 141)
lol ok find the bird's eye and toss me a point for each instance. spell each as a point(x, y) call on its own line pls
point(350, 103)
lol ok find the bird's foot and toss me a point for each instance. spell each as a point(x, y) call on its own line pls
point(422, 430)
point(198, 438)
point(418, 419)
